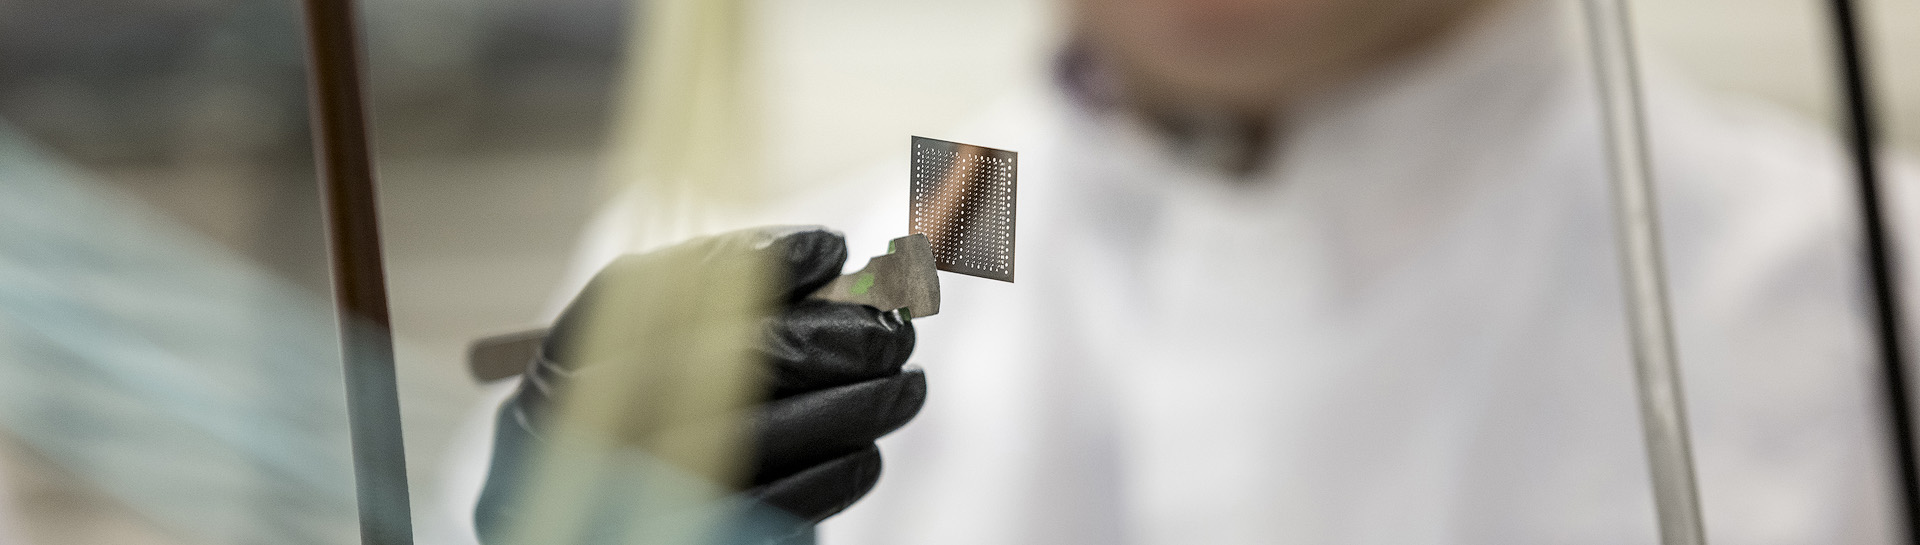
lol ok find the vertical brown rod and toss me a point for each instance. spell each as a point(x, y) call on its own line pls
point(1881, 259)
point(343, 159)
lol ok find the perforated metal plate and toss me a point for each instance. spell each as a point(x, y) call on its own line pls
point(963, 200)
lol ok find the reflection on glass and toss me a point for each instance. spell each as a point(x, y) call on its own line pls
point(181, 379)
point(1270, 290)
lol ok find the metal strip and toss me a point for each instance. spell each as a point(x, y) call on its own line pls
point(1662, 409)
point(345, 167)
point(903, 279)
point(1881, 258)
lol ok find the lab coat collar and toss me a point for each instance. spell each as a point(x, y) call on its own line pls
point(1388, 165)
point(1510, 49)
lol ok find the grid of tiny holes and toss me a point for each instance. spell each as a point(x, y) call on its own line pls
point(963, 200)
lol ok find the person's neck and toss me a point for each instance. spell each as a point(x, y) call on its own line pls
point(1235, 142)
point(1239, 137)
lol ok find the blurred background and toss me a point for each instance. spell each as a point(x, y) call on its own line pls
point(489, 122)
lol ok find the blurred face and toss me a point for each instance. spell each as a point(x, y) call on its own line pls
point(1251, 57)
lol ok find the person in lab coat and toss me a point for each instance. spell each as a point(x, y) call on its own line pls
point(1297, 271)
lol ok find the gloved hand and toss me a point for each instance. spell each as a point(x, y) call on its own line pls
point(834, 383)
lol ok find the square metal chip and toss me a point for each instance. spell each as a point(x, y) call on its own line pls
point(963, 201)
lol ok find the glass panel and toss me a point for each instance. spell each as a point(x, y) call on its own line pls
point(1292, 271)
point(168, 368)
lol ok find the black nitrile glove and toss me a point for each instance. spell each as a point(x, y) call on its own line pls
point(834, 384)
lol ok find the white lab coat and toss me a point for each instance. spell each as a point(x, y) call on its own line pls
point(1409, 330)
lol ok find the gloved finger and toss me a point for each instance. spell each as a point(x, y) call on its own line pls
point(811, 257)
point(798, 432)
point(805, 258)
point(818, 344)
point(824, 489)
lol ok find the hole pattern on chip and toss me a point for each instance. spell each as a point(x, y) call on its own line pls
point(963, 199)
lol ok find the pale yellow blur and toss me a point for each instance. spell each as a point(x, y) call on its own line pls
point(655, 423)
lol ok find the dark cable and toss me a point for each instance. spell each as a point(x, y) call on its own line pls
point(1880, 257)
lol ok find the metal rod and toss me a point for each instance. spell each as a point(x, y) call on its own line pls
point(1662, 410)
point(345, 166)
point(1881, 260)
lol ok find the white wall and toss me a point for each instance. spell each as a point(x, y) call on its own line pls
point(852, 78)
point(1782, 51)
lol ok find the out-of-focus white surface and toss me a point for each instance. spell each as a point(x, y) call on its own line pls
point(1782, 51)
point(1894, 31)
point(849, 80)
